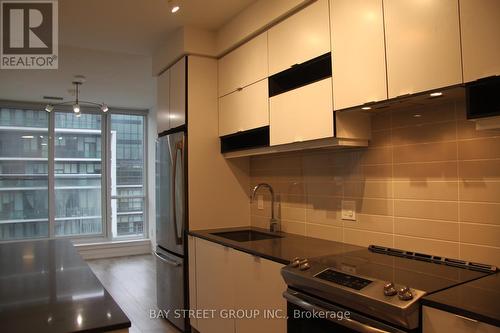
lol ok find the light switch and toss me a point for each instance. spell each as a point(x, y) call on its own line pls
point(260, 202)
point(349, 210)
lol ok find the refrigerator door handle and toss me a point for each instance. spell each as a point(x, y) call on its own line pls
point(166, 260)
point(178, 147)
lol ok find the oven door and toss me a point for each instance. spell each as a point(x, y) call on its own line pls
point(309, 314)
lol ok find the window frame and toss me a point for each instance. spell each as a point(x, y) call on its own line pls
point(106, 234)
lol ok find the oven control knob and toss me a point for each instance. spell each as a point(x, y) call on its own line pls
point(390, 289)
point(405, 294)
point(296, 262)
point(304, 266)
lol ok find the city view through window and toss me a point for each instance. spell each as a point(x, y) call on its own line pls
point(79, 183)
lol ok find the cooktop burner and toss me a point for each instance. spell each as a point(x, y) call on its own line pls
point(380, 281)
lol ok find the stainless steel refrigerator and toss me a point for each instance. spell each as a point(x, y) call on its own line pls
point(171, 225)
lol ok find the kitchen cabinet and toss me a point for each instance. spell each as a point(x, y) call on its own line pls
point(422, 45)
point(214, 285)
point(244, 109)
point(163, 102)
point(480, 24)
point(192, 279)
point(302, 114)
point(259, 287)
point(438, 321)
point(358, 52)
point(178, 93)
point(230, 279)
point(245, 65)
point(301, 37)
point(171, 97)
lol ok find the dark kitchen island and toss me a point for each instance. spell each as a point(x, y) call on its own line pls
point(45, 286)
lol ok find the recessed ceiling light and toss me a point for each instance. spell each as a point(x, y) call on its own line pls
point(436, 94)
point(174, 6)
point(27, 136)
point(366, 108)
point(417, 115)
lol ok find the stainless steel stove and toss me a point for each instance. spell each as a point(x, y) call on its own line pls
point(371, 290)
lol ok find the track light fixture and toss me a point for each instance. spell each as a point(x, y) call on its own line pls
point(77, 103)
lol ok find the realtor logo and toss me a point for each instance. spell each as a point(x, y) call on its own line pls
point(29, 33)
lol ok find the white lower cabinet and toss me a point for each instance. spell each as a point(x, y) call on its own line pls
point(228, 279)
point(302, 114)
point(259, 287)
point(438, 321)
point(214, 286)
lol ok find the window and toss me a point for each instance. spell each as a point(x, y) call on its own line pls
point(77, 174)
point(127, 175)
point(76, 161)
point(23, 174)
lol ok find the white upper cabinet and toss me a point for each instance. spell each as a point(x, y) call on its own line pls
point(301, 37)
point(422, 45)
point(480, 24)
point(302, 114)
point(358, 52)
point(178, 93)
point(244, 109)
point(243, 66)
point(163, 102)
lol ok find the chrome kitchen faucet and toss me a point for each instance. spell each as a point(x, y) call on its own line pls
point(274, 223)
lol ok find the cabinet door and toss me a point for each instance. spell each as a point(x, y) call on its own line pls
point(422, 45)
point(358, 52)
point(214, 285)
point(480, 24)
point(301, 37)
point(438, 321)
point(259, 286)
point(178, 93)
point(192, 278)
point(244, 109)
point(243, 66)
point(163, 102)
point(302, 114)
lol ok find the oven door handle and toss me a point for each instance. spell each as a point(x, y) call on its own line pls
point(350, 323)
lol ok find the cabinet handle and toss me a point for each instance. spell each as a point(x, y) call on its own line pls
point(467, 319)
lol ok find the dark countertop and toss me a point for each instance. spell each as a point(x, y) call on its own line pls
point(281, 250)
point(479, 300)
point(45, 286)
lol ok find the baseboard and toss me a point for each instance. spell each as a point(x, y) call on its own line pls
point(114, 249)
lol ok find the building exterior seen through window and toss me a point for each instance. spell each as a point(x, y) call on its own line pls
point(80, 189)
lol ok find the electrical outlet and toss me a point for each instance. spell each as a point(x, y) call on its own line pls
point(349, 210)
point(260, 201)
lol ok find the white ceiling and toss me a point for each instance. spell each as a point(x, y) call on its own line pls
point(137, 26)
point(111, 43)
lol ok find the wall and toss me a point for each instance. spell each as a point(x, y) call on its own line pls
point(118, 79)
point(218, 188)
point(428, 183)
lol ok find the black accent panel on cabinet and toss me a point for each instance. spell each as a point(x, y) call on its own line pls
point(254, 138)
point(301, 74)
point(483, 98)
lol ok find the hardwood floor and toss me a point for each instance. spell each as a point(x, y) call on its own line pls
point(132, 283)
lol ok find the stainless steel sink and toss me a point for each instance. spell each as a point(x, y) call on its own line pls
point(245, 235)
